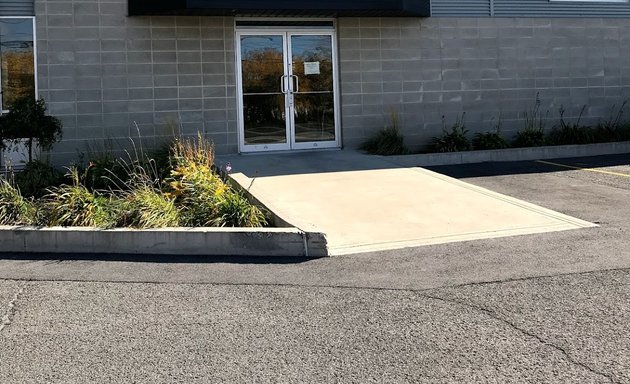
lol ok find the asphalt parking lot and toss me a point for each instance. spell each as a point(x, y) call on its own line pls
point(544, 308)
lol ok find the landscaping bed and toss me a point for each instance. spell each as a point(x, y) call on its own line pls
point(176, 186)
point(167, 200)
point(170, 201)
point(566, 138)
point(511, 154)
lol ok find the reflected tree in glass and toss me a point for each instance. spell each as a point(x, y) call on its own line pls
point(314, 103)
point(17, 60)
point(263, 101)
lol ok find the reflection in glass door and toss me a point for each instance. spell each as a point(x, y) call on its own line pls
point(287, 89)
point(263, 101)
point(312, 89)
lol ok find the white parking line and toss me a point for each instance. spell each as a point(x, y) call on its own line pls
point(584, 169)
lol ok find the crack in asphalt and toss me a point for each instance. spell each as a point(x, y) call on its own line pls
point(333, 286)
point(423, 292)
point(527, 278)
point(492, 314)
point(11, 308)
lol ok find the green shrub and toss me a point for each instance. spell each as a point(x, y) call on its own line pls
point(570, 133)
point(105, 170)
point(195, 187)
point(146, 207)
point(136, 181)
point(14, 209)
point(193, 195)
point(613, 129)
point(160, 159)
point(152, 166)
point(489, 140)
point(453, 140)
point(200, 194)
point(36, 177)
point(624, 132)
point(533, 134)
point(75, 206)
point(529, 138)
point(104, 173)
point(234, 210)
point(388, 141)
point(188, 152)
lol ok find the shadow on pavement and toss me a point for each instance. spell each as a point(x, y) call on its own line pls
point(300, 163)
point(141, 258)
point(527, 167)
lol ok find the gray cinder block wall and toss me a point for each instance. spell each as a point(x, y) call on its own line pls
point(109, 76)
point(103, 73)
point(487, 67)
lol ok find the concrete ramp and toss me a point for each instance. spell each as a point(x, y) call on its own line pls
point(365, 203)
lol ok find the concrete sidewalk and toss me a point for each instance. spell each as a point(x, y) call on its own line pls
point(367, 203)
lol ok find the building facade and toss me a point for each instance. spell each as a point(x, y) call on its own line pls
point(291, 76)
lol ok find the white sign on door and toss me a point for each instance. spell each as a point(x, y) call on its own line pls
point(311, 68)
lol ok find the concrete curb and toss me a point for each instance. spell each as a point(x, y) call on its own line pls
point(289, 242)
point(511, 154)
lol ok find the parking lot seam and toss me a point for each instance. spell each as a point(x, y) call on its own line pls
point(333, 286)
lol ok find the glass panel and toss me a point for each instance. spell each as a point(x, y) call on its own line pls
point(17, 60)
point(264, 119)
point(313, 88)
point(314, 117)
point(262, 63)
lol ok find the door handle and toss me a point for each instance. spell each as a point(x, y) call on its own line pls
point(297, 83)
point(283, 84)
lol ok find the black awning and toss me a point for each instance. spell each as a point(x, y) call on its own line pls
point(330, 8)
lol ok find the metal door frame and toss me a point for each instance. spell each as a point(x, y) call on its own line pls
point(286, 34)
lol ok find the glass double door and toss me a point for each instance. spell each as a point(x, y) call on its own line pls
point(287, 90)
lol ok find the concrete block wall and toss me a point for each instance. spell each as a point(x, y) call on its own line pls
point(486, 67)
point(104, 73)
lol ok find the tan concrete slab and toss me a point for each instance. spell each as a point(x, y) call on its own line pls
point(364, 203)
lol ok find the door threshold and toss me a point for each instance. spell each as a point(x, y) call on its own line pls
point(290, 152)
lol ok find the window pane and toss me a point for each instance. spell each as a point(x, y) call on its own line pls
point(17, 58)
